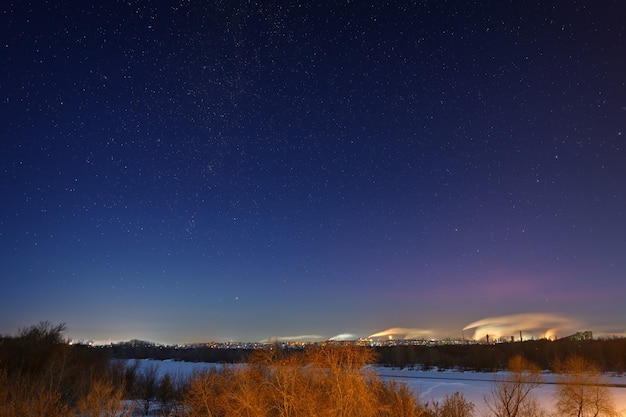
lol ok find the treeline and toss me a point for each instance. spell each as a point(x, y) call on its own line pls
point(608, 354)
point(138, 349)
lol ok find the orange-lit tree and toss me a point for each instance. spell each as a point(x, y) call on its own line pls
point(324, 381)
point(581, 390)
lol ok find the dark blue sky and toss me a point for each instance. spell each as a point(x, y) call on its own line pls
point(191, 171)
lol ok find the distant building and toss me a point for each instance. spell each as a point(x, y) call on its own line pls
point(578, 336)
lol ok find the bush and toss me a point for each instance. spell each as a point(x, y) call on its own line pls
point(324, 381)
point(452, 406)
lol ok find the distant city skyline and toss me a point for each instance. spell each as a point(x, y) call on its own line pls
point(517, 327)
point(214, 171)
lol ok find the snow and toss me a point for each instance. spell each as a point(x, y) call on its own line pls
point(429, 386)
point(175, 368)
point(435, 385)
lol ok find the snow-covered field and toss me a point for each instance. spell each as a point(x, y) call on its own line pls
point(428, 385)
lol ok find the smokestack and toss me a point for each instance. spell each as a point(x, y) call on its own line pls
point(520, 336)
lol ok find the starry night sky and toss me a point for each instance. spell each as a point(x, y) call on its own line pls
point(196, 170)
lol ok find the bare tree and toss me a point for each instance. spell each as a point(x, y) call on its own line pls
point(245, 392)
point(104, 400)
point(452, 406)
point(168, 393)
point(340, 371)
point(148, 383)
point(25, 395)
point(581, 390)
point(511, 394)
point(202, 395)
point(395, 399)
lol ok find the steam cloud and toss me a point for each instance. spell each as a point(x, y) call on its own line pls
point(343, 336)
point(403, 333)
point(532, 325)
point(298, 338)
